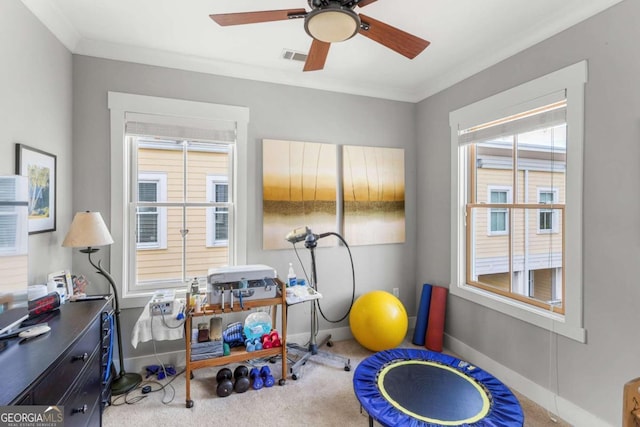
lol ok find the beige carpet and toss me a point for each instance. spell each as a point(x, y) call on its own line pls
point(322, 396)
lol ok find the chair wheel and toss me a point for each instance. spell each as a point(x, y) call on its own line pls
point(347, 368)
point(294, 377)
point(329, 343)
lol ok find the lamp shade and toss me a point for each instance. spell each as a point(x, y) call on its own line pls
point(87, 230)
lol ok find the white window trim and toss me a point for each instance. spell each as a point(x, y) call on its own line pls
point(571, 79)
point(554, 213)
point(121, 103)
point(210, 228)
point(161, 179)
point(490, 190)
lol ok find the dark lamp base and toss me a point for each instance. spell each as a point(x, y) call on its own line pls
point(125, 383)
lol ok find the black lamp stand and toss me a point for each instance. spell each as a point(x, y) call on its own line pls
point(124, 381)
point(311, 241)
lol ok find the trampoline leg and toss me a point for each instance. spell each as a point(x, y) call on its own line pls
point(370, 421)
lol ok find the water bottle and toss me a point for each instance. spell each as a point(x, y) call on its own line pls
point(291, 277)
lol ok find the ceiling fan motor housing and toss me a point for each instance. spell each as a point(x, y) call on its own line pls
point(331, 22)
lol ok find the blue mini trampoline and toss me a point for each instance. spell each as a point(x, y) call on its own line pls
point(414, 387)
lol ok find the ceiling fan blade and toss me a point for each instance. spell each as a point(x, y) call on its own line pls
point(240, 18)
point(363, 3)
point(400, 41)
point(317, 56)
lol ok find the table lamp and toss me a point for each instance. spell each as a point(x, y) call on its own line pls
point(88, 230)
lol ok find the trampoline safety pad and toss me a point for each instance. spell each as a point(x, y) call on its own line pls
point(415, 387)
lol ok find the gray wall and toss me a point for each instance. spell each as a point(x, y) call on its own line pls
point(591, 375)
point(35, 110)
point(276, 111)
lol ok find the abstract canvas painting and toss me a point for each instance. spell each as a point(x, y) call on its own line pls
point(299, 189)
point(373, 193)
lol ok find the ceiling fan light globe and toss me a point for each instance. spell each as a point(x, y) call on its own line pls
point(333, 25)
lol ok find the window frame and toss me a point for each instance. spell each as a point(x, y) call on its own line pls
point(120, 104)
point(571, 80)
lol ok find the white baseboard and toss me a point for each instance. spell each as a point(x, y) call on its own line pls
point(550, 401)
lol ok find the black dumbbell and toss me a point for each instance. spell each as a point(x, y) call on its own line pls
point(225, 386)
point(241, 375)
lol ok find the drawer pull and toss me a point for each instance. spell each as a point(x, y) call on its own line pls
point(83, 357)
point(82, 410)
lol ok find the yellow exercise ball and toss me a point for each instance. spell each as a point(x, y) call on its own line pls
point(378, 321)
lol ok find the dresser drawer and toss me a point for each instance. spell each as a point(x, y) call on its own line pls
point(82, 402)
point(59, 379)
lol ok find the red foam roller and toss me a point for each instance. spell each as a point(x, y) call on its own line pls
point(435, 325)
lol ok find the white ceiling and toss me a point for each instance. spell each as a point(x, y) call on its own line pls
point(466, 36)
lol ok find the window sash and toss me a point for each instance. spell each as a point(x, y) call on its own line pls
point(469, 214)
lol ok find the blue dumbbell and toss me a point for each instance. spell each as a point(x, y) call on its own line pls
point(256, 380)
point(267, 378)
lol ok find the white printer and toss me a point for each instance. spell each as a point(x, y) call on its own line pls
point(241, 283)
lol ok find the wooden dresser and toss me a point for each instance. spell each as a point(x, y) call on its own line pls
point(64, 367)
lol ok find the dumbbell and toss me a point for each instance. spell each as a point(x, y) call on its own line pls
point(225, 386)
point(267, 378)
point(256, 379)
point(241, 375)
point(274, 337)
point(253, 344)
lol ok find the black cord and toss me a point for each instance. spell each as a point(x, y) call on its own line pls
point(315, 285)
point(128, 400)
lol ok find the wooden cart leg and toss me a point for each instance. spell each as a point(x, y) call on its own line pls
point(188, 373)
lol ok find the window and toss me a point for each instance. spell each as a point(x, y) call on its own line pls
point(218, 216)
point(165, 209)
point(499, 219)
point(13, 234)
point(151, 219)
point(512, 153)
point(546, 217)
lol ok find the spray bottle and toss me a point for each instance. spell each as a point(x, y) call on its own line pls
point(291, 277)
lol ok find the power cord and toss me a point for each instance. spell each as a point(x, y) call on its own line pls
point(146, 387)
point(353, 280)
point(132, 396)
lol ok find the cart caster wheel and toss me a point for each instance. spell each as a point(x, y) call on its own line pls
point(189, 403)
point(347, 368)
point(294, 377)
point(329, 343)
point(282, 381)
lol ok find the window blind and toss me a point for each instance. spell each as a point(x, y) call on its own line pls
point(545, 112)
point(180, 128)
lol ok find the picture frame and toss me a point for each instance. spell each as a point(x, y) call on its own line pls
point(62, 279)
point(40, 168)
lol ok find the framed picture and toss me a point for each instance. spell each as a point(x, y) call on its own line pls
point(40, 169)
point(63, 283)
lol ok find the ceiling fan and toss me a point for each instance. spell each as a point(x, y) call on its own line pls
point(331, 21)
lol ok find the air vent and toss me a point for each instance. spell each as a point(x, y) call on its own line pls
point(292, 55)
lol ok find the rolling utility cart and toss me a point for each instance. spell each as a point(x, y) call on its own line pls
point(238, 354)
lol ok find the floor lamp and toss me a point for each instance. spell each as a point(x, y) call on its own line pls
point(88, 230)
